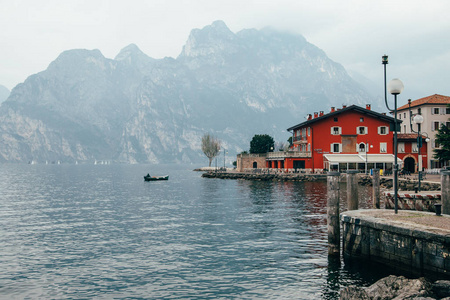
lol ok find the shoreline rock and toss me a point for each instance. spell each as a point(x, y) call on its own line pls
point(399, 287)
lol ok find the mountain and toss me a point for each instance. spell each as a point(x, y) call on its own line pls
point(137, 109)
point(4, 93)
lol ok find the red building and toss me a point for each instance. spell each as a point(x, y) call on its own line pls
point(408, 151)
point(349, 138)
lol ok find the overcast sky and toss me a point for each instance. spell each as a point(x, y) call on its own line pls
point(415, 34)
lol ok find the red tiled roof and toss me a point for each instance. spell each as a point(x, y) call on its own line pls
point(408, 136)
point(433, 99)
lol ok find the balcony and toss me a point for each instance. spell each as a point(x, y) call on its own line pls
point(299, 140)
point(286, 154)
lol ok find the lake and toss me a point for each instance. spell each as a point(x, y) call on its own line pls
point(100, 231)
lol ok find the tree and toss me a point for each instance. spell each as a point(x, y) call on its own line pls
point(210, 146)
point(443, 140)
point(261, 143)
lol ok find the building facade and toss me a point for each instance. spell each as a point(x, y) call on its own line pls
point(435, 112)
point(348, 138)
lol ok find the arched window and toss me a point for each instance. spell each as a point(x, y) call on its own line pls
point(255, 165)
point(362, 147)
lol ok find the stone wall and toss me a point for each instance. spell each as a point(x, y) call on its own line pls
point(413, 248)
point(248, 161)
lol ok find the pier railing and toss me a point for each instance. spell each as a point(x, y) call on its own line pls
point(287, 154)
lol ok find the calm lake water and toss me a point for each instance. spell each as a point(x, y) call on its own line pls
point(100, 231)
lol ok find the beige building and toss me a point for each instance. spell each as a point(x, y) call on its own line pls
point(435, 112)
point(247, 162)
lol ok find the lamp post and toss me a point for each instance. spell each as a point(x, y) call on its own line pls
point(384, 61)
point(418, 119)
point(367, 150)
point(224, 152)
point(395, 87)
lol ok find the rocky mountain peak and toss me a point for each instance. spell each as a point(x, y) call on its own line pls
point(86, 107)
point(132, 55)
point(209, 40)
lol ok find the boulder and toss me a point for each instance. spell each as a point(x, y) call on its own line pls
point(396, 288)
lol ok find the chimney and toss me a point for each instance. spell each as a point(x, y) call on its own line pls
point(368, 106)
point(344, 106)
point(309, 117)
point(333, 109)
point(316, 114)
point(321, 113)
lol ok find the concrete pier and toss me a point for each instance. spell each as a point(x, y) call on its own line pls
point(415, 241)
point(445, 192)
point(334, 232)
point(352, 190)
point(376, 191)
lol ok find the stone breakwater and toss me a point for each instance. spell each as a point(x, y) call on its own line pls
point(266, 177)
point(385, 182)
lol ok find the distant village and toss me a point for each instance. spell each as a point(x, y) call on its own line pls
point(358, 138)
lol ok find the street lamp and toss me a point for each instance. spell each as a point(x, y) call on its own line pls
point(367, 150)
point(384, 61)
point(224, 152)
point(395, 87)
point(418, 119)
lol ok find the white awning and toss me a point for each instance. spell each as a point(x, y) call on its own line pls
point(381, 158)
point(344, 158)
point(360, 158)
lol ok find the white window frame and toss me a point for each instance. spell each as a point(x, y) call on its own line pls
point(401, 147)
point(433, 123)
point(358, 149)
point(366, 130)
point(385, 128)
point(339, 130)
point(414, 147)
point(383, 147)
point(332, 147)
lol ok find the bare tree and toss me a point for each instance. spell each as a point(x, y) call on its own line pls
point(210, 146)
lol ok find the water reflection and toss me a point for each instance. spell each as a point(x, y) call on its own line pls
point(102, 232)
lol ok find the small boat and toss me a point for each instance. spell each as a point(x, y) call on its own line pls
point(154, 178)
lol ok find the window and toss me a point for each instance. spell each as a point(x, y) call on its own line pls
point(362, 147)
point(335, 119)
point(309, 147)
point(400, 116)
point(414, 147)
point(404, 128)
point(335, 130)
point(435, 111)
point(435, 126)
point(404, 115)
point(335, 148)
point(434, 144)
point(361, 119)
point(383, 147)
point(448, 124)
point(419, 111)
point(447, 110)
point(309, 131)
point(383, 130)
point(361, 130)
point(401, 147)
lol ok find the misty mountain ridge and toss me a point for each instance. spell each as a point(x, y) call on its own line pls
point(4, 93)
point(137, 109)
